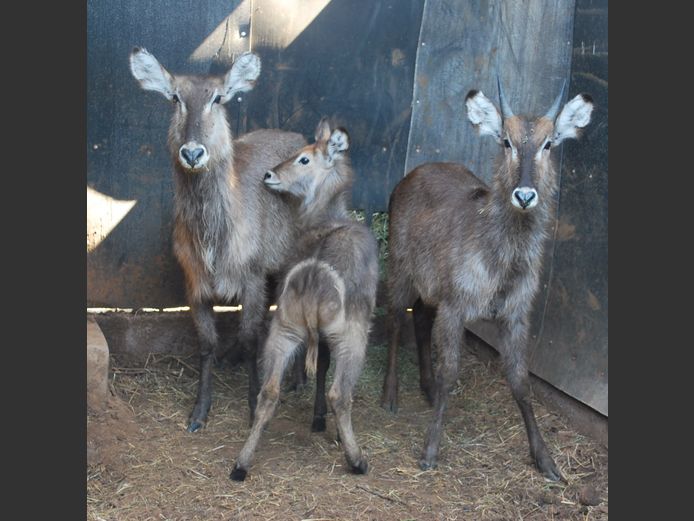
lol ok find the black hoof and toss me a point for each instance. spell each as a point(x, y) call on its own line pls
point(194, 426)
point(238, 474)
point(552, 473)
point(361, 468)
point(426, 465)
point(389, 405)
point(428, 396)
point(318, 424)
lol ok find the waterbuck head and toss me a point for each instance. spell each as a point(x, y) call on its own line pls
point(526, 171)
point(199, 134)
point(317, 172)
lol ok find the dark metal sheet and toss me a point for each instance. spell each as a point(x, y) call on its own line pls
point(571, 352)
point(353, 62)
point(132, 265)
point(462, 46)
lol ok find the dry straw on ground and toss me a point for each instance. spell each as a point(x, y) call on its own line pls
point(143, 465)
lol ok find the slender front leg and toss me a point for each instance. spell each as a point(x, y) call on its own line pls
point(320, 408)
point(514, 349)
point(255, 308)
point(278, 351)
point(448, 335)
point(423, 317)
point(204, 320)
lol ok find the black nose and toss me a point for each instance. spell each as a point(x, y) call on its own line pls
point(524, 197)
point(268, 175)
point(192, 156)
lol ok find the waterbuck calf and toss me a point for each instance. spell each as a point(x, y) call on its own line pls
point(229, 232)
point(461, 251)
point(329, 292)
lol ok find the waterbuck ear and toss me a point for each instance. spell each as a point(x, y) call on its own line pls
point(483, 114)
point(322, 133)
point(242, 75)
point(150, 73)
point(574, 116)
point(339, 142)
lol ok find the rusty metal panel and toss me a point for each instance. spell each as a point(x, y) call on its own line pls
point(350, 60)
point(129, 181)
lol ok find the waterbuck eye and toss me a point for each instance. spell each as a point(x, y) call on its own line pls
point(547, 145)
point(217, 99)
point(175, 98)
point(507, 143)
point(304, 160)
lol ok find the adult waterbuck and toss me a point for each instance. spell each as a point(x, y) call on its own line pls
point(461, 250)
point(330, 292)
point(229, 232)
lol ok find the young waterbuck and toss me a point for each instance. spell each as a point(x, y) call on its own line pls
point(329, 292)
point(461, 251)
point(229, 232)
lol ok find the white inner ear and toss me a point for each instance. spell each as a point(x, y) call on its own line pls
point(339, 142)
point(150, 73)
point(242, 75)
point(575, 114)
point(483, 114)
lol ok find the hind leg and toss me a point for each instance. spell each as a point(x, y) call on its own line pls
point(399, 297)
point(349, 355)
point(279, 349)
point(321, 408)
point(423, 317)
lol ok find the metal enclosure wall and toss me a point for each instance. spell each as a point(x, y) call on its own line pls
point(395, 74)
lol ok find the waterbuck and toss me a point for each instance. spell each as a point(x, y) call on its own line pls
point(461, 251)
point(229, 232)
point(329, 292)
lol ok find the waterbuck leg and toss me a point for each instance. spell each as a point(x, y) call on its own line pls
point(389, 399)
point(321, 407)
point(278, 351)
point(514, 349)
point(250, 335)
point(447, 336)
point(299, 377)
point(204, 320)
point(349, 360)
point(423, 317)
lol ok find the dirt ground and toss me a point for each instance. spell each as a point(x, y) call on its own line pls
point(143, 465)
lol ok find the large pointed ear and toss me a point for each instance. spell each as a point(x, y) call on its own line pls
point(338, 142)
point(150, 73)
point(322, 133)
point(483, 114)
point(242, 75)
point(574, 116)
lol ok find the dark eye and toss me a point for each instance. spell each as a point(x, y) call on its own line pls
point(547, 145)
point(175, 98)
point(217, 99)
point(304, 160)
point(507, 143)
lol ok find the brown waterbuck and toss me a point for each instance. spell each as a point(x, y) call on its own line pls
point(229, 232)
point(328, 293)
point(460, 250)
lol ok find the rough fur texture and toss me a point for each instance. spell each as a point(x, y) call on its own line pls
point(229, 232)
point(329, 292)
point(460, 251)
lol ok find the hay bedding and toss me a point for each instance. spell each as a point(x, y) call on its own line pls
point(143, 465)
